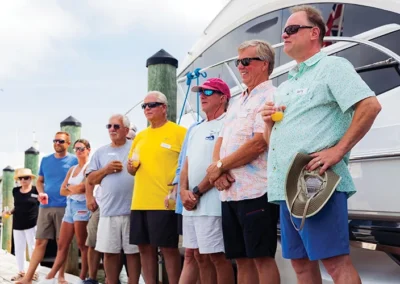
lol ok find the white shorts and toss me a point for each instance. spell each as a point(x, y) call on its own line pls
point(113, 235)
point(203, 233)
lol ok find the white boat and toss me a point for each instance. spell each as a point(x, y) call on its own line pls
point(367, 33)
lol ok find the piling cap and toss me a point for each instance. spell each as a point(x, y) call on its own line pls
point(8, 169)
point(72, 121)
point(32, 150)
point(162, 57)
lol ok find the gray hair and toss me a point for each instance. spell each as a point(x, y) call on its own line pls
point(264, 51)
point(124, 119)
point(160, 97)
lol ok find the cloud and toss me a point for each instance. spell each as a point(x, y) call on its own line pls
point(35, 32)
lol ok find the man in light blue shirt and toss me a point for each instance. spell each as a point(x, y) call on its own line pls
point(329, 108)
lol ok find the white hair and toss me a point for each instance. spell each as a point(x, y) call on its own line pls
point(124, 118)
point(160, 97)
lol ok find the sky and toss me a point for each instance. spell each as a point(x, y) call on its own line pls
point(86, 59)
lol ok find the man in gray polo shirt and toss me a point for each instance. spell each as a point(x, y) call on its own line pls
point(107, 169)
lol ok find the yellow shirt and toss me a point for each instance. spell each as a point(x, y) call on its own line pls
point(158, 150)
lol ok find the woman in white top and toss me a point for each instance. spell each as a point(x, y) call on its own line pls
point(76, 213)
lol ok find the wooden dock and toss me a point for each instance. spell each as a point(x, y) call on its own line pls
point(8, 268)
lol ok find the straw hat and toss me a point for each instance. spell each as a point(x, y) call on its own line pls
point(307, 192)
point(23, 173)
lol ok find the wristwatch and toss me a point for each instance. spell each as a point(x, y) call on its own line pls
point(196, 191)
point(219, 164)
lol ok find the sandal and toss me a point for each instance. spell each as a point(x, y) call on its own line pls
point(35, 277)
point(17, 277)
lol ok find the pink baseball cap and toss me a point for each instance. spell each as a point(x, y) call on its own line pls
point(215, 84)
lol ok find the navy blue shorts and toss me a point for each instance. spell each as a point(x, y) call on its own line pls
point(324, 235)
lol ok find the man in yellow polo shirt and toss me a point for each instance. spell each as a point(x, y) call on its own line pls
point(153, 161)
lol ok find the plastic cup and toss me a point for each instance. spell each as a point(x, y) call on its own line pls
point(135, 159)
point(278, 114)
point(45, 199)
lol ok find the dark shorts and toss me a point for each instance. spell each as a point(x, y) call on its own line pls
point(324, 235)
point(250, 228)
point(155, 227)
point(180, 220)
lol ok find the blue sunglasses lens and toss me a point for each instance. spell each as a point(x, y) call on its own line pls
point(208, 92)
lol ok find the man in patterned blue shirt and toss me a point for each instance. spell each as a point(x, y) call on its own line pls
point(329, 108)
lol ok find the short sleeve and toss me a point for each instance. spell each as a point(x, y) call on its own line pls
point(346, 86)
point(41, 167)
point(259, 125)
point(94, 164)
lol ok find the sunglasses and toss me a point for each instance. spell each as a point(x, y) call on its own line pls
point(151, 105)
point(59, 141)
point(115, 126)
point(293, 29)
point(246, 61)
point(24, 178)
point(80, 149)
point(209, 92)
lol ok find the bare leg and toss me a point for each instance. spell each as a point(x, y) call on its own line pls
point(148, 256)
point(37, 257)
point(206, 267)
point(111, 266)
point(342, 270)
point(66, 235)
point(133, 263)
point(172, 264)
point(223, 268)
point(81, 235)
point(268, 272)
point(94, 262)
point(190, 271)
point(307, 271)
point(247, 271)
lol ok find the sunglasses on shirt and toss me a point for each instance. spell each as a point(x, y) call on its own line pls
point(59, 141)
point(293, 29)
point(24, 178)
point(80, 149)
point(151, 105)
point(246, 61)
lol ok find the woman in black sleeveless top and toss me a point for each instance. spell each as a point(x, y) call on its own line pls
point(25, 213)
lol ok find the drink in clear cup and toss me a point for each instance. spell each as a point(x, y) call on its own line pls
point(278, 114)
point(135, 159)
point(6, 209)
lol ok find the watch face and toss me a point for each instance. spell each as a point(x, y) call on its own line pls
point(219, 164)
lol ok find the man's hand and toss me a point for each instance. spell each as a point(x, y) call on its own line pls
point(91, 203)
point(268, 110)
point(114, 167)
point(132, 166)
point(43, 197)
point(213, 172)
point(189, 200)
point(171, 196)
point(224, 182)
point(325, 159)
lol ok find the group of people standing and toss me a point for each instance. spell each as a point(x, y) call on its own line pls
point(226, 175)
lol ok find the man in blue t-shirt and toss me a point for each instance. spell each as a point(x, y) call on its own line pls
point(52, 172)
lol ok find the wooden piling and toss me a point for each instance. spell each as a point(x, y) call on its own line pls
point(8, 200)
point(162, 77)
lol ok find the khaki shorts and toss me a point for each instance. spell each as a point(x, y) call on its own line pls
point(49, 223)
point(92, 229)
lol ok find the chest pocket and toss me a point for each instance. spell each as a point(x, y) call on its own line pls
point(244, 122)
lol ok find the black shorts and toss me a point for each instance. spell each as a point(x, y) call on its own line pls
point(180, 220)
point(155, 227)
point(250, 228)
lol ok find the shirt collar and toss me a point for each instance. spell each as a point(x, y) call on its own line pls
point(218, 118)
point(299, 68)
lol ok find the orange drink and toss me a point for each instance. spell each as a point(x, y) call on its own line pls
point(277, 116)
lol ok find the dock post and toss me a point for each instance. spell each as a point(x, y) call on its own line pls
point(8, 200)
point(32, 161)
point(73, 127)
point(161, 77)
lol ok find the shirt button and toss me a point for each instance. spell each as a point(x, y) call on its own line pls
point(275, 128)
point(274, 168)
point(273, 149)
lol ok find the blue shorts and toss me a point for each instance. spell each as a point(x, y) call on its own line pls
point(324, 235)
point(76, 211)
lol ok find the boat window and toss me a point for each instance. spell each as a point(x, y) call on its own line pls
point(380, 72)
